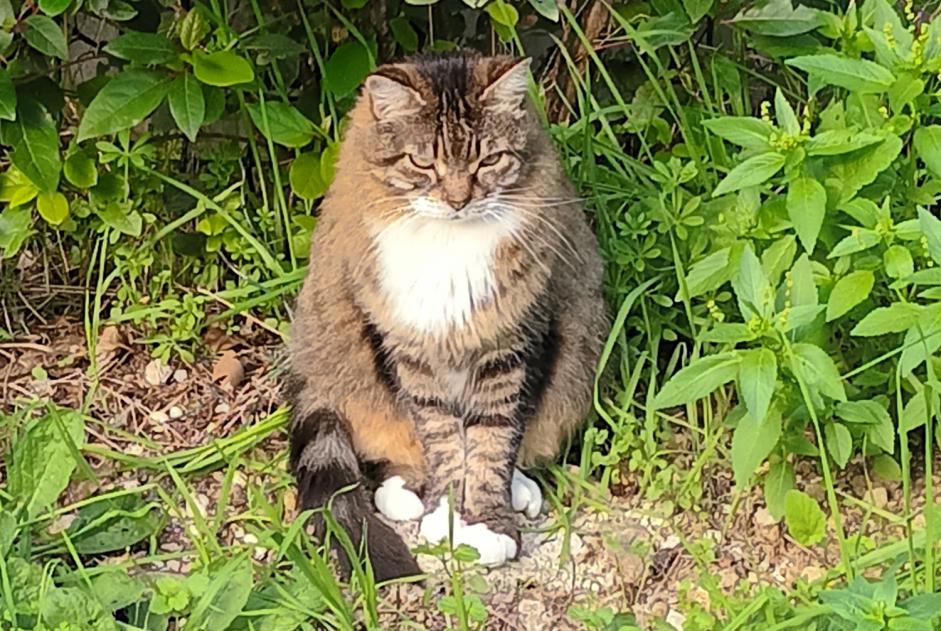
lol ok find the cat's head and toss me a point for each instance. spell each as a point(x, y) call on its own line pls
point(449, 133)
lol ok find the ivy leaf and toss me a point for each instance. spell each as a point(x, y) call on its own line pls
point(124, 102)
point(502, 13)
point(931, 226)
point(695, 9)
point(751, 172)
point(806, 207)
point(142, 48)
point(286, 125)
point(187, 105)
point(856, 75)
point(927, 142)
point(816, 368)
point(698, 379)
point(849, 291)
point(222, 69)
point(45, 36)
point(752, 442)
point(757, 378)
point(805, 521)
point(897, 317)
point(839, 442)
point(346, 68)
point(35, 141)
point(53, 207)
point(7, 96)
point(778, 481)
point(744, 131)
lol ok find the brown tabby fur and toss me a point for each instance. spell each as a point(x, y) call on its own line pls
point(457, 409)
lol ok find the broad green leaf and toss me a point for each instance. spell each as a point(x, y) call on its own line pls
point(54, 7)
point(698, 379)
point(221, 69)
point(839, 442)
point(922, 340)
point(777, 258)
point(15, 188)
point(711, 272)
point(117, 588)
point(815, 367)
point(805, 521)
point(777, 18)
point(346, 68)
point(864, 412)
point(897, 317)
point(757, 378)
point(927, 142)
point(502, 13)
point(286, 125)
point(806, 207)
point(124, 102)
point(931, 226)
point(861, 168)
point(7, 96)
point(778, 481)
point(752, 442)
point(839, 141)
point(121, 219)
point(143, 48)
point(53, 207)
point(864, 211)
point(187, 105)
point(745, 131)
point(193, 29)
point(226, 594)
point(404, 33)
point(904, 91)
point(803, 291)
point(697, 9)
point(898, 262)
point(15, 228)
point(728, 333)
point(550, 10)
point(46, 36)
point(114, 524)
point(754, 293)
point(849, 291)
point(885, 467)
point(80, 170)
point(305, 176)
point(860, 239)
point(856, 75)
point(751, 172)
point(271, 46)
point(35, 141)
point(41, 462)
point(784, 113)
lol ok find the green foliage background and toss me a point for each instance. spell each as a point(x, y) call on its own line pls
point(763, 177)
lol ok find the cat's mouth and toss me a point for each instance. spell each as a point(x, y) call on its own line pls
point(480, 210)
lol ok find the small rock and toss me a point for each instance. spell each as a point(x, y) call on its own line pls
point(250, 539)
point(159, 416)
point(670, 542)
point(156, 373)
point(175, 565)
point(222, 408)
point(763, 517)
point(676, 620)
point(172, 546)
point(180, 375)
point(176, 412)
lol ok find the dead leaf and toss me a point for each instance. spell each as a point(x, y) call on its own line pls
point(109, 342)
point(216, 339)
point(228, 370)
point(156, 373)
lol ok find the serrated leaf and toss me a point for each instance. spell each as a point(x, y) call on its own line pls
point(53, 207)
point(728, 333)
point(701, 377)
point(751, 172)
point(142, 48)
point(856, 75)
point(286, 125)
point(305, 176)
point(119, 218)
point(785, 115)
point(806, 207)
point(222, 69)
point(187, 105)
point(839, 442)
point(745, 131)
point(861, 168)
point(848, 292)
point(886, 468)
point(46, 36)
point(752, 442)
point(805, 521)
point(778, 481)
point(815, 368)
point(897, 317)
point(757, 378)
point(124, 102)
point(7, 96)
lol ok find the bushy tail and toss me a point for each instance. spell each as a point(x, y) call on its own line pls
point(324, 462)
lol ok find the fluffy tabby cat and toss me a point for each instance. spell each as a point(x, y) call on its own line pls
point(452, 317)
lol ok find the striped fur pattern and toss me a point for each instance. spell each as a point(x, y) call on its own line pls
point(452, 317)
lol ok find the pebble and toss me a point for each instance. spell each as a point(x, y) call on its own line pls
point(176, 412)
point(156, 373)
point(670, 542)
point(676, 620)
point(172, 546)
point(180, 375)
point(222, 408)
point(159, 416)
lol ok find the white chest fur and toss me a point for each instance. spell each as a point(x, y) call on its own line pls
point(434, 272)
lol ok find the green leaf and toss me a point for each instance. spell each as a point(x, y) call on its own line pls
point(305, 176)
point(45, 36)
point(286, 125)
point(805, 521)
point(922, 340)
point(80, 170)
point(550, 10)
point(752, 442)
point(806, 207)
point(839, 442)
point(502, 13)
point(124, 102)
point(711, 272)
point(931, 227)
point(927, 142)
point(54, 7)
point(7, 96)
point(777, 18)
point(864, 412)
point(757, 378)
point(778, 481)
point(15, 228)
point(856, 75)
point(849, 291)
point(53, 207)
point(221, 69)
point(816, 369)
point(839, 141)
point(117, 589)
point(35, 141)
point(143, 48)
point(114, 524)
point(897, 317)
point(745, 131)
point(698, 379)
point(187, 105)
point(898, 262)
point(404, 33)
point(121, 219)
point(858, 169)
point(193, 29)
point(784, 113)
point(886, 468)
point(41, 462)
point(346, 68)
point(751, 172)
point(860, 239)
point(697, 9)
point(728, 333)
point(225, 596)
point(752, 289)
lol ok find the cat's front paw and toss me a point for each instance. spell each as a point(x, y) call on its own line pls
point(396, 502)
point(494, 548)
point(434, 525)
point(525, 495)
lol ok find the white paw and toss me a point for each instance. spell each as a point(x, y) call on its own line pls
point(525, 495)
point(434, 525)
point(494, 548)
point(396, 502)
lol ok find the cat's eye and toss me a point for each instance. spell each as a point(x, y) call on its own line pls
point(490, 160)
point(421, 162)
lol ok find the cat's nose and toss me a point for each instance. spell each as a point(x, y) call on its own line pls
point(458, 203)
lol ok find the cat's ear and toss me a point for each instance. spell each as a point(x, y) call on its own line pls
point(390, 98)
point(508, 85)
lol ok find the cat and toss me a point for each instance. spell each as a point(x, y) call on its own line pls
point(452, 316)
